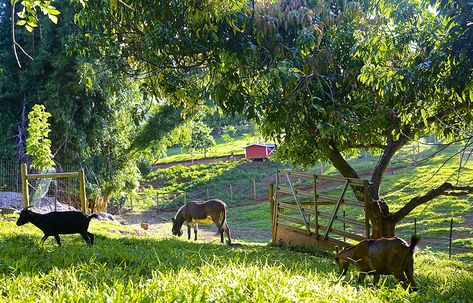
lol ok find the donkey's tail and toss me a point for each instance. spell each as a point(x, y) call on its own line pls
point(224, 221)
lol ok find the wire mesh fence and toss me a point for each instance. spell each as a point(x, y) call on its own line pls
point(452, 236)
point(239, 193)
point(42, 191)
point(10, 179)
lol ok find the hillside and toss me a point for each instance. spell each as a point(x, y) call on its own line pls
point(410, 175)
point(222, 148)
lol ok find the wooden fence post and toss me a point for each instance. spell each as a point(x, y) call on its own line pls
point(24, 185)
point(83, 198)
point(271, 209)
point(315, 207)
point(415, 226)
point(450, 240)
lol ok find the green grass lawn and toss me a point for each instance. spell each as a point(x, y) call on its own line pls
point(125, 266)
point(221, 148)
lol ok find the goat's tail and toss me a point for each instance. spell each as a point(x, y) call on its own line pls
point(93, 216)
point(414, 241)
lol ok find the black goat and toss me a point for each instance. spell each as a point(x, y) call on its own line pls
point(55, 223)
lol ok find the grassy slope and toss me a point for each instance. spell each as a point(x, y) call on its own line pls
point(125, 267)
point(221, 148)
point(213, 179)
point(408, 180)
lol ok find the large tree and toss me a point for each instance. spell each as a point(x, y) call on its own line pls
point(364, 77)
point(324, 78)
point(99, 119)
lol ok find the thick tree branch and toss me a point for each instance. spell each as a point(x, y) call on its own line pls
point(446, 189)
point(393, 147)
point(445, 113)
point(339, 162)
point(389, 151)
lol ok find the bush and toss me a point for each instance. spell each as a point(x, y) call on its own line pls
point(144, 166)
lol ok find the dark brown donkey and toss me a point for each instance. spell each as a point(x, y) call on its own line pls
point(193, 213)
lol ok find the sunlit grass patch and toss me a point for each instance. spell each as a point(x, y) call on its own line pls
point(122, 267)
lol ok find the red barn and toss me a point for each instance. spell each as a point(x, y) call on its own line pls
point(259, 150)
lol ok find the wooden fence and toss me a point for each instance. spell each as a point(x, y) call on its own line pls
point(317, 210)
point(25, 177)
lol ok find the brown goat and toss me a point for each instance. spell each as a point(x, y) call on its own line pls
point(193, 213)
point(382, 256)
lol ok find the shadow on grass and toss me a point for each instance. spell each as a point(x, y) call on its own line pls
point(142, 256)
point(123, 258)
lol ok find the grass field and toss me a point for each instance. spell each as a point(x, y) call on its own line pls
point(221, 148)
point(127, 266)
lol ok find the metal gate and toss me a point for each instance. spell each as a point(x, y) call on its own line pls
point(317, 210)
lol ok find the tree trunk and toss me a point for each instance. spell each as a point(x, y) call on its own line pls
point(382, 222)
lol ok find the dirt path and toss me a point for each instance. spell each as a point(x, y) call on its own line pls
point(160, 223)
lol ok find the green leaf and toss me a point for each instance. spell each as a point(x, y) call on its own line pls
point(21, 22)
point(54, 12)
point(113, 5)
point(21, 14)
point(423, 113)
point(53, 18)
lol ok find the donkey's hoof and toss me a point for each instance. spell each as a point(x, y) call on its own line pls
point(229, 242)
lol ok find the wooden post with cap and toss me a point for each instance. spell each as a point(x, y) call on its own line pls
point(82, 190)
point(24, 185)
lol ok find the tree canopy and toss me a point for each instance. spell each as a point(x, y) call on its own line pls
point(98, 118)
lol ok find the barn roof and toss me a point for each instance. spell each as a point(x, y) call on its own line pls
point(262, 144)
